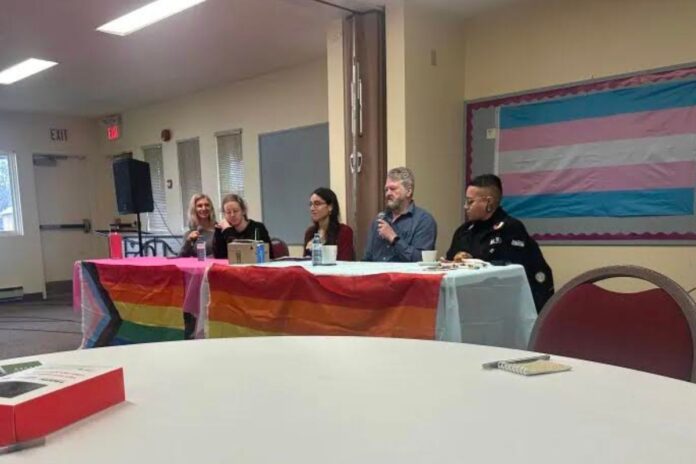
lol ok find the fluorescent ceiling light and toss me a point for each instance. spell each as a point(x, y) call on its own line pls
point(146, 15)
point(24, 69)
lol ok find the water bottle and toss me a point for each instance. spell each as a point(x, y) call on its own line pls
point(115, 245)
point(200, 248)
point(260, 252)
point(316, 250)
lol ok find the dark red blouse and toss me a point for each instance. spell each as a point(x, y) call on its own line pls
point(345, 251)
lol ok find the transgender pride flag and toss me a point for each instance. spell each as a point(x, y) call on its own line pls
point(618, 153)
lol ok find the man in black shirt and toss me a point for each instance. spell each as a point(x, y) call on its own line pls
point(491, 235)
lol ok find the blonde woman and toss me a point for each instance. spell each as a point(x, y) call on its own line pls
point(201, 224)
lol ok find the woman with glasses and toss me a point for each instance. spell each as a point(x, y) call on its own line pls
point(325, 214)
point(237, 226)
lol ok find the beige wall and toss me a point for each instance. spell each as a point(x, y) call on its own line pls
point(395, 26)
point(545, 43)
point(336, 105)
point(21, 258)
point(425, 108)
point(292, 97)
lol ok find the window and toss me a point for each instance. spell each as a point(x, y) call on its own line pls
point(156, 221)
point(188, 152)
point(230, 163)
point(10, 213)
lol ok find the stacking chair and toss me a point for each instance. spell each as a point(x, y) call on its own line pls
point(652, 330)
point(280, 248)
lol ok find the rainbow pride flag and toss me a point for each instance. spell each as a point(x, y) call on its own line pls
point(131, 304)
point(257, 301)
point(616, 153)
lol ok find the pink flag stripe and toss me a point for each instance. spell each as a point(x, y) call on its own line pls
point(600, 179)
point(625, 126)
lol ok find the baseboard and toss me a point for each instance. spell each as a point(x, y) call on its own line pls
point(59, 287)
point(33, 297)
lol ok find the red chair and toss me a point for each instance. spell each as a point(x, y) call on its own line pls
point(280, 248)
point(652, 330)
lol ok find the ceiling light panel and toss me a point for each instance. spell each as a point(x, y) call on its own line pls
point(24, 69)
point(146, 15)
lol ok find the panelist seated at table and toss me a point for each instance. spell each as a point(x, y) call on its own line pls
point(403, 230)
point(201, 224)
point(326, 217)
point(237, 226)
point(490, 234)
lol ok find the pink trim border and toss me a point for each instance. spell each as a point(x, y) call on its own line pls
point(608, 236)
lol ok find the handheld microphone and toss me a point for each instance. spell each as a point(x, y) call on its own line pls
point(381, 215)
point(200, 230)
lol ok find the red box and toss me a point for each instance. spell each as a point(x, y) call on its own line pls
point(67, 394)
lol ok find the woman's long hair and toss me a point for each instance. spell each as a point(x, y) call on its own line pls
point(193, 217)
point(329, 197)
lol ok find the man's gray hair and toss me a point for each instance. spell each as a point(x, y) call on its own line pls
point(405, 176)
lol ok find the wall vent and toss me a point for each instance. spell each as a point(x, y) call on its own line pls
point(11, 294)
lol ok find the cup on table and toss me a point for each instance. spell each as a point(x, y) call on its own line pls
point(328, 254)
point(428, 256)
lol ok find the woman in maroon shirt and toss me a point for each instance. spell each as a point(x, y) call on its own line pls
point(325, 213)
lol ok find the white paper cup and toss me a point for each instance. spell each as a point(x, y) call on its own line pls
point(428, 256)
point(328, 254)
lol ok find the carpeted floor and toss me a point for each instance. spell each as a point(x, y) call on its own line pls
point(35, 327)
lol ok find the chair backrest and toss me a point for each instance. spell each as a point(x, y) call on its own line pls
point(280, 248)
point(652, 330)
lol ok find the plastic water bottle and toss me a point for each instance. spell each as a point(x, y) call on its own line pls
point(200, 248)
point(316, 250)
point(115, 245)
point(260, 252)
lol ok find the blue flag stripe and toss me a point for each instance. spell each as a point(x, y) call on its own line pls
point(600, 104)
point(658, 202)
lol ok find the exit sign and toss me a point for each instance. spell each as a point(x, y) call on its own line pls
point(113, 126)
point(113, 132)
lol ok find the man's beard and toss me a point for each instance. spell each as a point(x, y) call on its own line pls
point(395, 204)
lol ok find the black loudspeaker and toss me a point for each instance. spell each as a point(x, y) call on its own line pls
point(133, 186)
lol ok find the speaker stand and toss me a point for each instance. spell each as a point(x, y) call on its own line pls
point(140, 235)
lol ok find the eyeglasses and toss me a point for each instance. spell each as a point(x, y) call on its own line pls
point(470, 201)
point(316, 204)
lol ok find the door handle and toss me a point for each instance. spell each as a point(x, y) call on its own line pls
point(85, 226)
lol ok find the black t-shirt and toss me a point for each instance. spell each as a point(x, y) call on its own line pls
point(253, 231)
point(504, 239)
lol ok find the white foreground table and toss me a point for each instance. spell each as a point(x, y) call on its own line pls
point(347, 400)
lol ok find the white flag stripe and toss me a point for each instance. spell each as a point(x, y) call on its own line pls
point(601, 154)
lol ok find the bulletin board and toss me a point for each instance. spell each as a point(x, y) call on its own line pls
point(294, 162)
point(611, 160)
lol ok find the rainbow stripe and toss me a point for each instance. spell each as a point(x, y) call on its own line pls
point(253, 301)
point(131, 304)
point(617, 153)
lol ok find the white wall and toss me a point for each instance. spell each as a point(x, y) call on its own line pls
point(288, 98)
point(21, 261)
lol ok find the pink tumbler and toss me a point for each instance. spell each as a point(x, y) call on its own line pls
point(115, 245)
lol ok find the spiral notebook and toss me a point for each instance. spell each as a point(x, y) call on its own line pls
point(534, 365)
point(537, 367)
